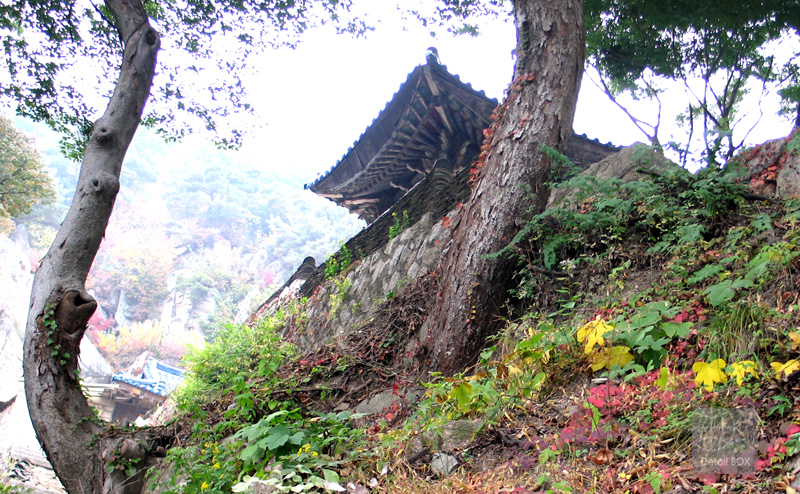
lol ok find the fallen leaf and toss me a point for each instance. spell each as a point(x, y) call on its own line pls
point(795, 337)
point(592, 332)
point(786, 369)
point(708, 374)
point(740, 370)
point(609, 357)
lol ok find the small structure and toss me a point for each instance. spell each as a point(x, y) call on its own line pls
point(130, 396)
point(433, 116)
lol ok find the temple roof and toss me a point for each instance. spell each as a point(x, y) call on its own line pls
point(432, 116)
point(157, 377)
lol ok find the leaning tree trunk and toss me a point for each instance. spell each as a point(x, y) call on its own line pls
point(537, 111)
point(74, 442)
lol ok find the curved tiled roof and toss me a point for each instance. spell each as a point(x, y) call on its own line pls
point(432, 116)
point(157, 377)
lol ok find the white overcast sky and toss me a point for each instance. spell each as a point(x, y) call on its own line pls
point(316, 100)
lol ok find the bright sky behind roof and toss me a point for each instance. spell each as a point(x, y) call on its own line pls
point(313, 102)
point(317, 99)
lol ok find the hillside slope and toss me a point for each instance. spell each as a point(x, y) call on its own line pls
point(652, 346)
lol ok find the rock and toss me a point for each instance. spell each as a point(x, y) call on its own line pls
point(443, 464)
point(458, 434)
point(793, 469)
point(773, 167)
point(622, 165)
point(377, 403)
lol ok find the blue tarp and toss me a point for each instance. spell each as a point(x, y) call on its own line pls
point(157, 377)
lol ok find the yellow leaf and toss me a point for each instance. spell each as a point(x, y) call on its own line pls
point(609, 357)
point(795, 337)
point(591, 334)
point(787, 368)
point(514, 370)
point(740, 370)
point(708, 374)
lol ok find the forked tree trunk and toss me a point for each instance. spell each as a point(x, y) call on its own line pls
point(60, 306)
point(538, 110)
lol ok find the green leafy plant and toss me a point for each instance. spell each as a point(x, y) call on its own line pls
point(342, 288)
point(400, 223)
point(208, 467)
point(289, 452)
point(337, 263)
point(725, 290)
point(239, 354)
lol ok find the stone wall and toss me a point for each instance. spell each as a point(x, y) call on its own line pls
point(349, 300)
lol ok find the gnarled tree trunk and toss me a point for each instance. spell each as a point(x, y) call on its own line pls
point(60, 306)
point(538, 111)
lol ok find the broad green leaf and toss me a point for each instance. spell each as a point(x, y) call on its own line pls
point(330, 475)
point(530, 343)
point(673, 329)
point(249, 453)
point(277, 437)
point(297, 438)
point(463, 395)
point(725, 290)
point(706, 272)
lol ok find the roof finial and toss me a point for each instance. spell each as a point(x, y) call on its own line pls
point(432, 55)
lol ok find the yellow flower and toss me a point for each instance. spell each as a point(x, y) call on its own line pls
point(739, 370)
point(709, 374)
point(314, 454)
point(592, 332)
point(217, 466)
point(787, 368)
point(204, 486)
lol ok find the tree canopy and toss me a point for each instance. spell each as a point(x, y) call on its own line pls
point(726, 44)
point(24, 182)
point(62, 60)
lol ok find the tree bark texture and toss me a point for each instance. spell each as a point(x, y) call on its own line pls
point(60, 306)
point(538, 110)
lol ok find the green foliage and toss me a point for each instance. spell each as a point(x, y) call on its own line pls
point(342, 286)
point(237, 355)
point(13, 489)
point(44, 43)
point(337, 263)
point(725, 290)
point(635, 45)
point(497, 386)
point(673, 211)
point(400, 224)
point(649, 330)
point(286, 450)
point(305, 450)
point(210, 466)
point(24, 181)
point(210, 278)
point(49, 322)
